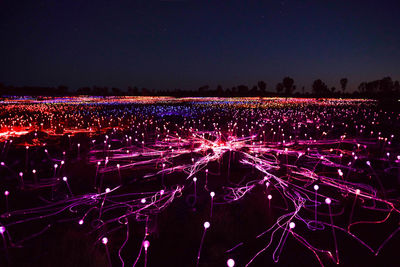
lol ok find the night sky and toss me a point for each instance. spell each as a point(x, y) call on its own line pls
point(187, 44)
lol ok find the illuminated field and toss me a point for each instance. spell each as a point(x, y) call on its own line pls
point(161, 181)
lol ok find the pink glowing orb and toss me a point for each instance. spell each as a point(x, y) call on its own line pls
point(6, 193)
point(65, 178)
point(212, 194)
point(2, 229)
point(269, 197)
point(316, 187)
point(104, 240)
point(146, 244)
point(328, 201)
point(230, 263)
point(206, 225)
point(80, 222)
point(292, 225)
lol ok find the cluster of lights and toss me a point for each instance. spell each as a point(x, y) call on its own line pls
point(319, 148)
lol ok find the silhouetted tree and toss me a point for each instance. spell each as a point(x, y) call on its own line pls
point(319, 87)
point(288, 85)
point(362, 87)
point(386, 85)
point(343, 84)
point(263, 87)
point(134, 91)
point(396, 86)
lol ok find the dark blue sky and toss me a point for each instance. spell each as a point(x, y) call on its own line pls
point(187, 44)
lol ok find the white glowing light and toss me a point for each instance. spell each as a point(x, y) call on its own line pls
point(230, 263)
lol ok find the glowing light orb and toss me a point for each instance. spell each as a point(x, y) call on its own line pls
point(230, 263)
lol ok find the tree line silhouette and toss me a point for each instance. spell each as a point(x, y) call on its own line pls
point(384, 87)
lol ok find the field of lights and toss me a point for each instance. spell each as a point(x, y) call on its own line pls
point(162, 181)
